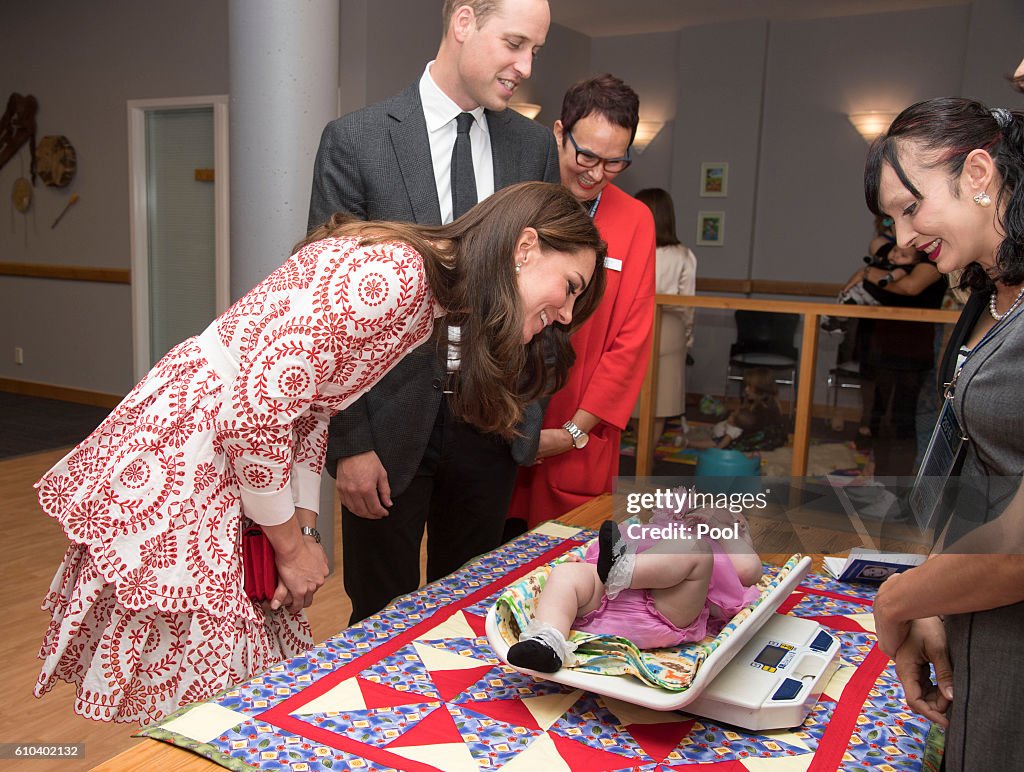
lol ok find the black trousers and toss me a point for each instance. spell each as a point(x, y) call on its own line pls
point(461, 493)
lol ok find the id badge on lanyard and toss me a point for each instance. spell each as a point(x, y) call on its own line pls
point(946, 449)
point(942, 460)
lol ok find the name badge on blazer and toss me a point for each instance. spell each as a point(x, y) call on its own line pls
point(613, 264)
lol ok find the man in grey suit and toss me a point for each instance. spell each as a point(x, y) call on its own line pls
point(401, 460)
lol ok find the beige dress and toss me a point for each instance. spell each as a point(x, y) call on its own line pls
point(676, 274)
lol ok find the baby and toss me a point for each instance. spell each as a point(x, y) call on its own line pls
point(757, 424)
point(896, 260)
point(654, 592)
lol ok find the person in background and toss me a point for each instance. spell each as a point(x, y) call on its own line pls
point(148, 607)
point(950, 172)
point(757, 424)
point(675, 274)
point(851, 353)
point(403, 460)
point(895, 356)
point(578, 454)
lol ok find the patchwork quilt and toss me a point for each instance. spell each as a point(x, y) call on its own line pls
point(417, 687)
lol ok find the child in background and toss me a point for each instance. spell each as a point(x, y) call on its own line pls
point(654, 592)
point(757, 424)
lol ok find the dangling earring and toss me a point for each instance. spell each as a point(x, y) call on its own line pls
point(519, 267)
point(982, 199)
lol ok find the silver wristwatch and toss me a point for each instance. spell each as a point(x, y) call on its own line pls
point(307, 531)
point(579, 437)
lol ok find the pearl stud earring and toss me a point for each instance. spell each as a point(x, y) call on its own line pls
point(983, 199)
point(519, 267)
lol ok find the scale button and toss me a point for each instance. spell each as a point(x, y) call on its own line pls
point(790, 688)
point(822, 641)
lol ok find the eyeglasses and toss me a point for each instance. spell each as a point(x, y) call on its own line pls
point(588, 159)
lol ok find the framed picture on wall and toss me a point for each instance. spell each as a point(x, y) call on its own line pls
point(710, 229)
point(714, 179)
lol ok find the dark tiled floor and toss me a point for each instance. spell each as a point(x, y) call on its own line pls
point(32, 424)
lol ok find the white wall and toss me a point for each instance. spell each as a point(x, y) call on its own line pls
point(83, 70)
point(769, 98)
point(653, 76)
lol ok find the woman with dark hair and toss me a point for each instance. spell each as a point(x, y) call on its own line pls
point(149, 608)
point(949, 173)
point(578, 455)
point(675, 274)
point(896, 355)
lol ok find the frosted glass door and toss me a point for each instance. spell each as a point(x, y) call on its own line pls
point(181, 222)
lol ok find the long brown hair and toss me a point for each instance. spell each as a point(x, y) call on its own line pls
point(660, 203)
point(471, 273)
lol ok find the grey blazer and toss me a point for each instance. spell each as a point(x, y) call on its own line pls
point(375, 164)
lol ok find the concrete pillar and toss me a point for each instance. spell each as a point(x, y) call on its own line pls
point(283, 64)
point(284, 89)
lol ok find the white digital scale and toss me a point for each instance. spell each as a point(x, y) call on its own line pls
point(767, 674)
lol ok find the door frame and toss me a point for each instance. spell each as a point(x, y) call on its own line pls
point(139, 221)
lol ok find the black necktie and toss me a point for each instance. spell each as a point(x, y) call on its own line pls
point(463, 179)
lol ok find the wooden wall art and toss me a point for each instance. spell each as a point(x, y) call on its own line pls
point(18, 126)
point(56, 160)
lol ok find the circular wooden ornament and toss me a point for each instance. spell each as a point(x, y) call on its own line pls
point(56, 160)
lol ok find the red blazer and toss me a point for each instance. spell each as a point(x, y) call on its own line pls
point(612, 350)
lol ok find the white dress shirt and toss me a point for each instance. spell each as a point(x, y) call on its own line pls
point(440, 113)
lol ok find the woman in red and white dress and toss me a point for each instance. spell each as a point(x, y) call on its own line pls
point(148, 606)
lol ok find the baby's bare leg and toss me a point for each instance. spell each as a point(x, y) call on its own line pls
point(740, 550)
point(677, 575)
point(572, 590)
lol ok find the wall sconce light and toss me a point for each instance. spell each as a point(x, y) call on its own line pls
point(872, 123)
point(528, 109)
point(646, 131)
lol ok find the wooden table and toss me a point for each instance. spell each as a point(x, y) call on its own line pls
point(153, 754)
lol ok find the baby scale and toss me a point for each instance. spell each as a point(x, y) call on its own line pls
point(768, 674)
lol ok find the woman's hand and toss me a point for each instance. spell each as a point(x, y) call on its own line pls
point(301, 562)
point(890, 630)
point(925, 646)
point(300, 574)
point(858, 276)
point(553, 442)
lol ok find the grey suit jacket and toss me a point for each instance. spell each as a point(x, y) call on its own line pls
point(375, 164)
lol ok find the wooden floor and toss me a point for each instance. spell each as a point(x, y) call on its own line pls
point(33, 547)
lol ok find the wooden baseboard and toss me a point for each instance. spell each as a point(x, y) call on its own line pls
point(64, 393)
point(67, 272)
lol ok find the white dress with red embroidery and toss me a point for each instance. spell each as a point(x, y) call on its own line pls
point(148, 607)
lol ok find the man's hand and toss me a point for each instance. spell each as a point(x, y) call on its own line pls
point(363, 485)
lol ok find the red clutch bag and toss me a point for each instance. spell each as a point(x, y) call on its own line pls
point(259, 572)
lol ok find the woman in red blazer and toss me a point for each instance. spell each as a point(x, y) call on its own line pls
point(578, 453)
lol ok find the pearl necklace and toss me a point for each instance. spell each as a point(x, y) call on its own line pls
point(992, 305)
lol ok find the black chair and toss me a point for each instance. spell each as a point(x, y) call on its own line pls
point(843, 376)
point(764, 339)
point(847, 372)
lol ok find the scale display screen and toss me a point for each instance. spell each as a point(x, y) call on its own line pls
point(771, 656)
